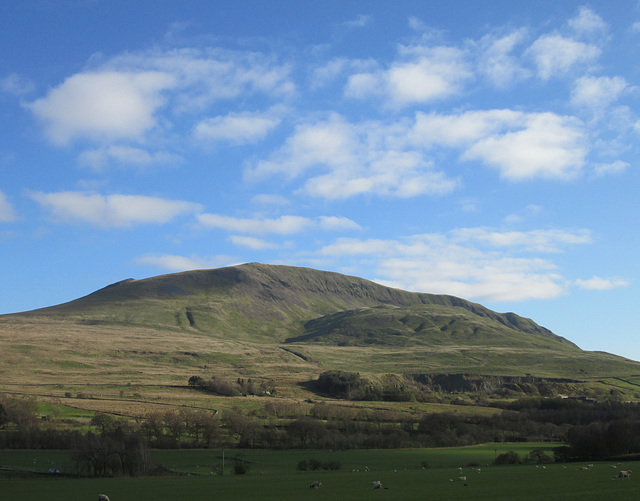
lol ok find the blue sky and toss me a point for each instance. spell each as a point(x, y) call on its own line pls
point(486, 150)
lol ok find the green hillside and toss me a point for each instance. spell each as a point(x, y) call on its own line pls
point(282, 324)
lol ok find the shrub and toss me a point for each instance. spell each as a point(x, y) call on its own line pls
point(508, 458)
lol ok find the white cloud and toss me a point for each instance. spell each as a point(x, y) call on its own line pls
point(334, 223)
point(171, 262)
point(252, 242)
point(613, 168)
point(548, 146)
point(520, 145)
point(16, 85)
point(425, 74)
point(359, 22)
point(112, 211)
point(531, 241)
point(120, 99)
point(597, 92)
point(475, 263)
point(368, 158)
point(555, 55)
point(496, 61)
point(463, 129)
point(271, 199)
point(7, 212)
point(126, 155)
point(587, 22)
point(598, 283)
point(237, 128)
point(102, 106)
point(204, 76)
point(284, 225)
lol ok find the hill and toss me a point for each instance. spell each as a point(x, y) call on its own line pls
point(280, 323)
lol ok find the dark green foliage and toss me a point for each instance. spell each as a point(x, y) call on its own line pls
point(509, 457)
point(220, 386)
point(538, 456)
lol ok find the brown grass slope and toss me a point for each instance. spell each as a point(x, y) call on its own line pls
point(278, 322)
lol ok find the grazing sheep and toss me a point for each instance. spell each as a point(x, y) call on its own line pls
point(316, 485)
point(624, 474)
point(377, 485)
point(103, 497)
point(463, 479)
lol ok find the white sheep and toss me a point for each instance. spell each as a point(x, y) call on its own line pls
point(103, 497)
point(624, 474)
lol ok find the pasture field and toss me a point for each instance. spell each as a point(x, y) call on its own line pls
point(272, 475)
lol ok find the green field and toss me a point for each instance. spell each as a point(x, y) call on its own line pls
point(272, 475)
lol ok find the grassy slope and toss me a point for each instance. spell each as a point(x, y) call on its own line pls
point(277, 322)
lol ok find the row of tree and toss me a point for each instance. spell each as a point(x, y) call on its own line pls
point(116, 445)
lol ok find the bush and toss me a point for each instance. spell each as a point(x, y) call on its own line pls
point(508, 458)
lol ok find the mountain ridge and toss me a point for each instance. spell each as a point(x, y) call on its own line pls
point(307, 294)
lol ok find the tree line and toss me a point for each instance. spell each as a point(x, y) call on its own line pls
point(120, 446)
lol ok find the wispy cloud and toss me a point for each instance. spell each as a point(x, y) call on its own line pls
point(598, 283)
point(555, 55)
point(477, 263)
point(170, 262)
point(359, 22)
point(111, 211)
point(597, 92)
point(7, 212)
point(237, 128)
point(497, 61)
point(16, 85)
point(283, 225)
point(99, 158)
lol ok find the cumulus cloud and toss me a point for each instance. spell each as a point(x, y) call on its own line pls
point(424, 74)
point(111, 211)
point(520, 145)
point(120, 99)
point(354, 159)
point(598, 283)
point(7, 212)
point(555, 55)
point(476, 263)
point(546, 146)
point(102, 106)
point(587, 22)
point(237, 128)
point(597, 92)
